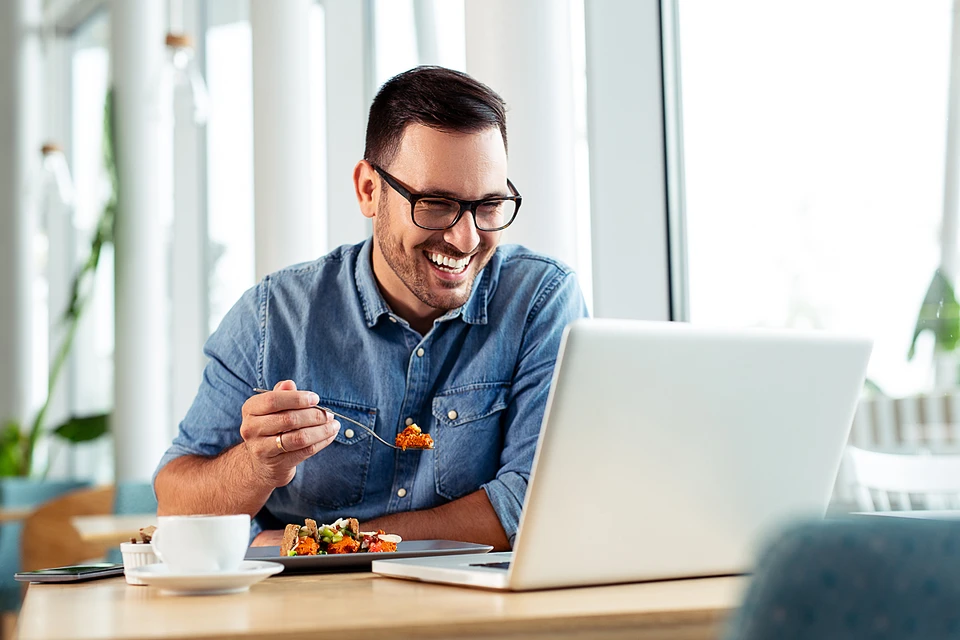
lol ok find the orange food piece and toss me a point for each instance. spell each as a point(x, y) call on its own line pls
point(376, 545)
point(413, 438)
point(347, 545)
point(307, 546)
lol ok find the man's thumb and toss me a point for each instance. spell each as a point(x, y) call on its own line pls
point(285, 385)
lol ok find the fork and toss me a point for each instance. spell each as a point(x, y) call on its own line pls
point(351, 420)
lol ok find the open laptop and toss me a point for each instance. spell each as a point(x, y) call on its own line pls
point(669, 450)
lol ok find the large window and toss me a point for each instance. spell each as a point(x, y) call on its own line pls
point(814, 168)
point(230, 159)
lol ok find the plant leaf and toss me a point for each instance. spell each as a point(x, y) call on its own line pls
point(84, 429)
point(939, 313)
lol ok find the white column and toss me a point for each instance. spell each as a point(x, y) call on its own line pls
point(281, 127)
point(521, 49)
point(945, 364)
point(625, 128)
point(190, 305)
point(425, 18)
point(20, 121)
point(350, 55)
point(141, 417)
point(951, 182)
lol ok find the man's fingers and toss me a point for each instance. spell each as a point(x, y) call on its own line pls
point(285, 385)
point(308, 437)
point(276, 401)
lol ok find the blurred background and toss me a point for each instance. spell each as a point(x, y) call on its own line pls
point(742, 164)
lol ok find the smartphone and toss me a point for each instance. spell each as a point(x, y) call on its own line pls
point(75, 573)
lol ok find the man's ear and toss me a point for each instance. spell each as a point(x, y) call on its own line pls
point(367, 187)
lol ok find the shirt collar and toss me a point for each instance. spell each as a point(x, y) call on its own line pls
point(374, 306)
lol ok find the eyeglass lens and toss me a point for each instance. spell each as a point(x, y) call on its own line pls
point(438, 213)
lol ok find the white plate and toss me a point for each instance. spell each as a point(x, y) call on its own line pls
point(182, 584)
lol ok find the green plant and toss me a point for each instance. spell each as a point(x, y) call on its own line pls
point(939, 314)
point(16, 445)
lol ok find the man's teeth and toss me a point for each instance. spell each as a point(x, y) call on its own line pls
point(449, 263)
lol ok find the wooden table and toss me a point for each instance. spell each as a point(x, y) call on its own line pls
point(111, 529)
point(363, 605)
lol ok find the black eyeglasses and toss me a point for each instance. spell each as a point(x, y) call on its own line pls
point(436, 213)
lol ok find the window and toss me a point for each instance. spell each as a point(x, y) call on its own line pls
point(814, 164)
point(230, 164)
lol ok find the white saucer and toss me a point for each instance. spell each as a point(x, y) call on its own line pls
point(182, 584)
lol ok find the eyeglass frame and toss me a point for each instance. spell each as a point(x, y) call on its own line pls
point(465, 205)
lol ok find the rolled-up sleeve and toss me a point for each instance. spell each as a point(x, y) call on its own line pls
point(558, 304)
point(212, 424)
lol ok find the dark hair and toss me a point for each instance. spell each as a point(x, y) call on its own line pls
point(435, 97)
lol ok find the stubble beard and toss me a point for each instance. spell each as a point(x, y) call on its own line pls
point(413, 277)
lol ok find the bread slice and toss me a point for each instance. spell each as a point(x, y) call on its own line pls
point(291, 536)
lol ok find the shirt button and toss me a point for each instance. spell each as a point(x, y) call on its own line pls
point(392, 319)
point(348, 433)
point(450, 414)
point(401, 492)
point(408, 421)
point(420, 352)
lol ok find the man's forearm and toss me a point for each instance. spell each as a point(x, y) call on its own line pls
point(221, 485)
point(468, 519)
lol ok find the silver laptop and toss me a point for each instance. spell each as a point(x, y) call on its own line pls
point(669, 450)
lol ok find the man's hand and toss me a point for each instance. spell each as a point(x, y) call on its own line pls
point(284, 418)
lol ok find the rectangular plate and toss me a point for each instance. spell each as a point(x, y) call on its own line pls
point(355, 561)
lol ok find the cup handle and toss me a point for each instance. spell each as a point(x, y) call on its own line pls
point(155, 543)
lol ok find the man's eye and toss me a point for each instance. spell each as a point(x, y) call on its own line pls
point(491, 206)
point(435, 205)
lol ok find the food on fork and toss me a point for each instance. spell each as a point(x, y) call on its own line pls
point(343, 536)
point(413, 438)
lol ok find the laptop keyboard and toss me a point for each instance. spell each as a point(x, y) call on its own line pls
point(493, 565)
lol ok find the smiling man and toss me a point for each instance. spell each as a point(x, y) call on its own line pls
point(430, 321)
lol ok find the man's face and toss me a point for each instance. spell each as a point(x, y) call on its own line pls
point(468, 166)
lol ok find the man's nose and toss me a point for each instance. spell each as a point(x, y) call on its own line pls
point(463, 235)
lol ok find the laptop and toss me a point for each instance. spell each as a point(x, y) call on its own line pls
point(669, 450)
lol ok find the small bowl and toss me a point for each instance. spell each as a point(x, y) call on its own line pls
point(136, 555)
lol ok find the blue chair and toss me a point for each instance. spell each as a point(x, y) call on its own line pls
point(132, 498)
point(18, 493)
point(860, 578)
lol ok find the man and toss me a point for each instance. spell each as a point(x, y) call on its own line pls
point(427, 322)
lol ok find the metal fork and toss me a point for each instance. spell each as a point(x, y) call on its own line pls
point(351, 420)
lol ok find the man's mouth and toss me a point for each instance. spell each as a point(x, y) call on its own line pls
point(446, 263)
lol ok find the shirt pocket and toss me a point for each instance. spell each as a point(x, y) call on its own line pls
point(337, 476)
point(467, 436)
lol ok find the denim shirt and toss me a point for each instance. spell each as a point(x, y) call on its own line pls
point(477, 382)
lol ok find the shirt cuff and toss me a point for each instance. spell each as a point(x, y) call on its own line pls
point(506, 493)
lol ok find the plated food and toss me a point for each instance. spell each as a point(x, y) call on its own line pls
point(413, 438)
point(343, 536)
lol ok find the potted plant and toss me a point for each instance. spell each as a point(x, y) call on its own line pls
point(17, 444)
point(940, 314)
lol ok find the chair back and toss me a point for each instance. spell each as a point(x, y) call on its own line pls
point(902, 481)
point(864, 577)
point(908, 423)
point(16, 493)
point(50, 539)
point(134, 498)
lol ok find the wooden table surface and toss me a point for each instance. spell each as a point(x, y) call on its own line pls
point(363, 605)
point(111, 529)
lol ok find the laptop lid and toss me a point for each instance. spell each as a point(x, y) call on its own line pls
point(668, 449)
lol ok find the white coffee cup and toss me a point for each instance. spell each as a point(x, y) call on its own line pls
point(202, 544)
